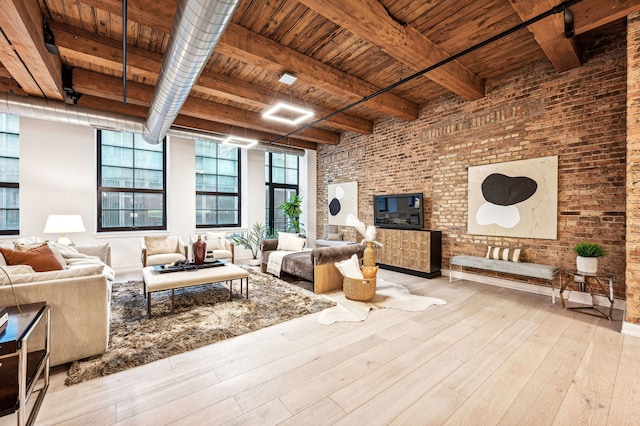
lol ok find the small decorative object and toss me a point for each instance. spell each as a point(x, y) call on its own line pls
point(199, 251)
point(588, 254)
point(369, 233)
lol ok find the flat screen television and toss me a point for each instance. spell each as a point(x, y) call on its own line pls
point(399, 211)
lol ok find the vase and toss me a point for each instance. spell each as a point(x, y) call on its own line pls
point(199, 251)
point(369, 257)
point(587, 265)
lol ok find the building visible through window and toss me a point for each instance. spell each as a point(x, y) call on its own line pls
point(9, 174)
point(131, 182)
point(217, 185)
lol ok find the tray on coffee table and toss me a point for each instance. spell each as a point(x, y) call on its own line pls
point(187, 266)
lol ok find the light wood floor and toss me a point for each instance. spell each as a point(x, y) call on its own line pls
point(490, 356)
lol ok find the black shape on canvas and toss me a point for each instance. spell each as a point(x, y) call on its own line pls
point(334, 207)
point(504, 190)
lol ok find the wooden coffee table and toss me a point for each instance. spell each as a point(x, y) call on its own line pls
point(160, 281)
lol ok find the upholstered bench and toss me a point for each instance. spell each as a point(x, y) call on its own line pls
point(525, 269)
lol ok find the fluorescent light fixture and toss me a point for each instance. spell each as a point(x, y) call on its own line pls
point(287, 78)
point(289, 114)
point(240, 142)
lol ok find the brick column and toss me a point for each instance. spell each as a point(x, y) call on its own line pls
point(633, 171)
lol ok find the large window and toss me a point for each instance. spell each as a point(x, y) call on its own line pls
point(282, 181)
point(9, 174)
point(131, 182)
point(217, 185)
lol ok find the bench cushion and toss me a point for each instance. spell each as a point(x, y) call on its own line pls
point(534, 270)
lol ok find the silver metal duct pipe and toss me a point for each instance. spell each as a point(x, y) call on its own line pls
point(197, 27)
point(60, 112)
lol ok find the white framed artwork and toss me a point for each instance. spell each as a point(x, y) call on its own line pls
point(514, 199)
point(342, 201)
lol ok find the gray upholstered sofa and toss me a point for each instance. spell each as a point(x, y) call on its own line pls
point(316, 265)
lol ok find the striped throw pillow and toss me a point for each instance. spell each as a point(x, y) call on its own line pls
point(500, 253)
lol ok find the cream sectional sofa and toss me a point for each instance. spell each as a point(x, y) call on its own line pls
point(80, 301)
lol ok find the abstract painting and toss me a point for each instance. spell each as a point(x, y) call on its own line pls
point(343, 200)
point(515, 199)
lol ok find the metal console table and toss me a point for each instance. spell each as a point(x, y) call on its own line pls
point(24, 369)
point(586, 283)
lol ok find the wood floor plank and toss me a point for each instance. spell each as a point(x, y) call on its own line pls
point(395, 399)
point(433, 408)
point(222, 412)
point(625, 402)
point(305, 394)
point(323, 412)
point(582, 406)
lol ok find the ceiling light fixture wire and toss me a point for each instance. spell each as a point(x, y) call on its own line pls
point(560, 8)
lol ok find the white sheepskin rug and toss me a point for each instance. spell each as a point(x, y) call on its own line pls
point(388, 295)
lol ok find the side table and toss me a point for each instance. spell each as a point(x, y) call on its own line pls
point(23, 368)
point(586, 283)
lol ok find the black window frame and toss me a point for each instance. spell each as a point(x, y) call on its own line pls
point(237, 194)
point(101, 190)
point(271, 190)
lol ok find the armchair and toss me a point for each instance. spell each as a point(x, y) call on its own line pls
point(218, 246)
point(162, 250)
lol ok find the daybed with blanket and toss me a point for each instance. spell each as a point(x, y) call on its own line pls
point(315, 265)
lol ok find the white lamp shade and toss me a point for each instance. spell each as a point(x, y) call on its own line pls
point(63, 224)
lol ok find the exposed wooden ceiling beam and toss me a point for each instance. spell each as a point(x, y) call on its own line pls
point(249, 47)
point(369, 20)
point(190, 122)
point(22, 25)
point(102, 86)
point(82, 45)
point(595, 13)
point(564, 53)
point(252, 48)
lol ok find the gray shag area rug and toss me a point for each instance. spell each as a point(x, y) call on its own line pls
point(202, 315)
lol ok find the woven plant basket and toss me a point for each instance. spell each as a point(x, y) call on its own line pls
point(359, 289)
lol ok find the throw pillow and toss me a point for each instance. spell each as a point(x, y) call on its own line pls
point(334, 237)
point(369, 271)
point(216, 240)
point(157, 245)
point(100, 251)
point(293, 243)
point(500, 253)
point(54, 250)
point(41, 258)
point(350, 267)
point(282, 237)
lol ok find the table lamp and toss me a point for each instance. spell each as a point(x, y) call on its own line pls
point(64, 224)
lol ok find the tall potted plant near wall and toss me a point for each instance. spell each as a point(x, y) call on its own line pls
point(292, 208)
point(588, 254)
point(251, 240)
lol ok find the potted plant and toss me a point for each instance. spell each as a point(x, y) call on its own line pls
point(251, 240)
point(588, 254)
point(292, 209)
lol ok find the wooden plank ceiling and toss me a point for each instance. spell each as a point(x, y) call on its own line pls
point(340, 51)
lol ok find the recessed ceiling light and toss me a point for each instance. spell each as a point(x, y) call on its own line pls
point(288, 114)
point(287, 78)
point(240, 142)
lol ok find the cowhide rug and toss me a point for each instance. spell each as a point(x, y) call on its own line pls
point(202, 315)
point(388, 295)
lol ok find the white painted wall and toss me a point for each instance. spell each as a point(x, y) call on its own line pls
point(58, 176)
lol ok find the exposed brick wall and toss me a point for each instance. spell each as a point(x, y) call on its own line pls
point(633, 170)
point(533, 112)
